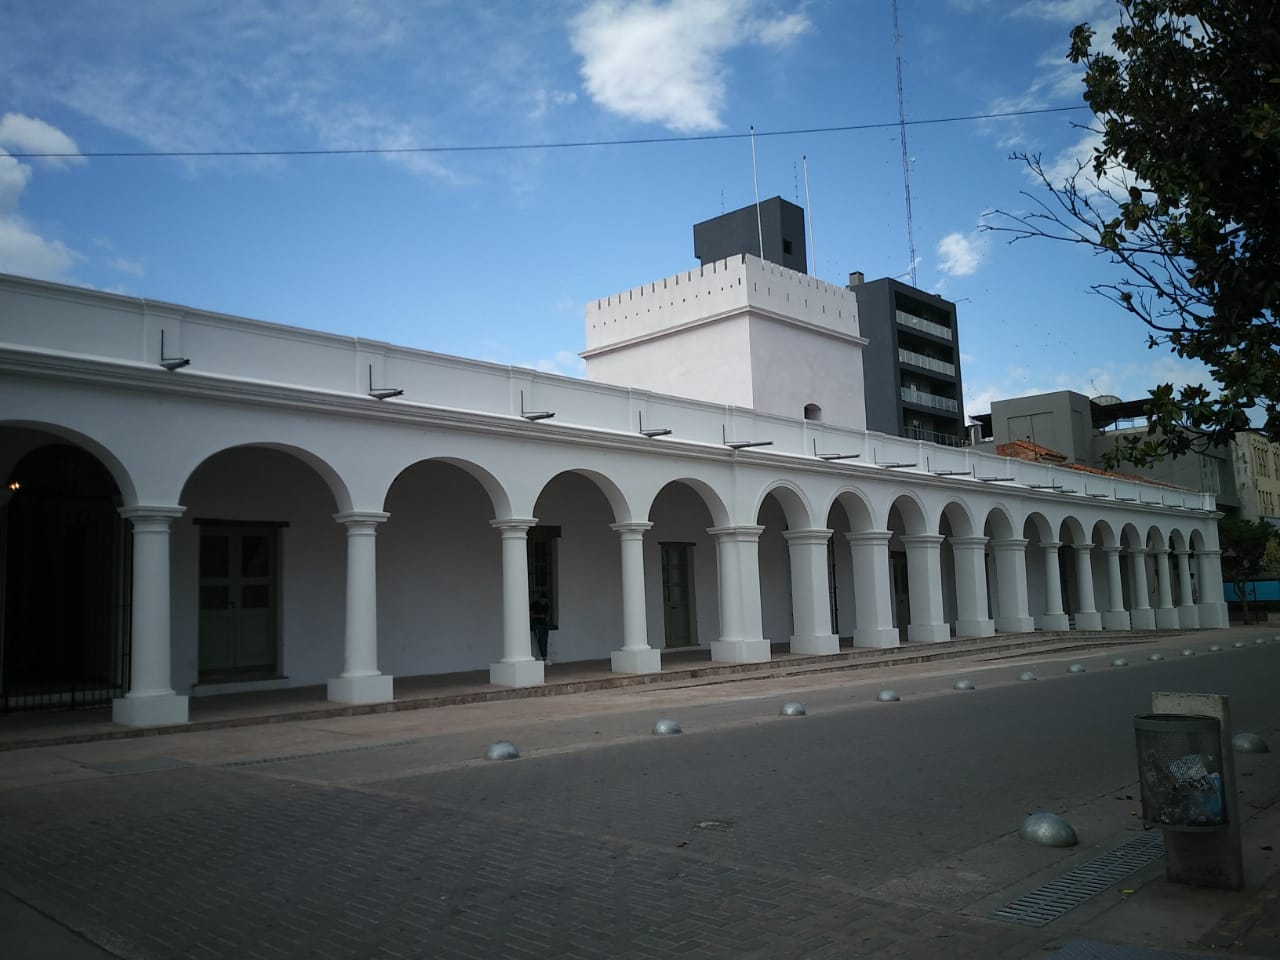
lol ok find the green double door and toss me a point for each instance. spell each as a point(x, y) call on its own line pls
point(677, 594)
point(239, 600)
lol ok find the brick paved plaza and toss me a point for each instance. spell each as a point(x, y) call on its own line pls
point(861, 830)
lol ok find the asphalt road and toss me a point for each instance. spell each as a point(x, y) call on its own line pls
point(863, 829)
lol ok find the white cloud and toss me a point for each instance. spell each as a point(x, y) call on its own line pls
point(13, 180)
point(23, 134)
point(664, 63)
point(30, 255)
point(124, 265)
point(961, 254)
point(564, 362)
point(1065, 11)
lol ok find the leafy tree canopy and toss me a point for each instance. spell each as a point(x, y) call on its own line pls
point(1183, 192)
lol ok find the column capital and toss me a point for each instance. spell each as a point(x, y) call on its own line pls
point(1012, 543)
point(806, 536)
point(1136, 551)
point(869, 536)
point(968, 543)
point(513, 526)
point(1161, 551)
point(1082, 547)
point(1113, 550)
point(632, 529)
point(138, 512)
point(928, 540)
point(357, 519)
point(747, 533)
point(1051, 544)
point(1181, 552)
point(1208, 553)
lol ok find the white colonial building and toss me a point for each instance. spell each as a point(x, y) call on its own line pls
point(197, 503)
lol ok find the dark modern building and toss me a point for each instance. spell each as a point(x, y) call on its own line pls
point(911, 364)
point(739, 231)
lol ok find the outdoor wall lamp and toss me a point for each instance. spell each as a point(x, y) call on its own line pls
point(832, 456)
point(532, 415)
point(381, 393)
point(741, 444)
point(171, 363)
point(652, 431)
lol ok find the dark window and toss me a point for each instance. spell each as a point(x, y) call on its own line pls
point(786, 247)
point(543, 573)
point(812, 411)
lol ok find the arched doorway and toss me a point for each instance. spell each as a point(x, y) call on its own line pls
point(64, 583)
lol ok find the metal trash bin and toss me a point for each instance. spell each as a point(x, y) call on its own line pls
point(1180, 772)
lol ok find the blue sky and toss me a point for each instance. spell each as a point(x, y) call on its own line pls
point(495, 254)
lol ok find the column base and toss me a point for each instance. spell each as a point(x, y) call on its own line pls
point(1213, 616)
point(1115, 620)
point(1015, 624)
point(150, 710)
point(1143, 619)
point(819, 645)
point(928, 632)
point(647, 660)
point(375, 688)
point(517, 673)
point(1166, 618)
point(740, 651)
point(1053, 622)
point(1088, 620)
point(877, 637)
point(975, 628)
point(1188, 616)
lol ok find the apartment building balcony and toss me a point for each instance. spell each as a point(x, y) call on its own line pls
point(911, 395)
point(923, 325)
point(926, 362)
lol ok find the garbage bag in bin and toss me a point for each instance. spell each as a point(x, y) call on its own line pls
point(1180, 771)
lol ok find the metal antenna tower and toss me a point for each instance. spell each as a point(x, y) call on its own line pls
point(902, 136)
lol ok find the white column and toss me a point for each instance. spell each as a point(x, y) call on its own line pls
point(741, 632)
point(924, 571)
point(1116, 618)
point(1141, 615)
point(150, 701)
point(1188, 616)
point(1053, 618)
point(869, 553)
point(972, 614)
point(517, 668)
point(1087, 617)
point(636, 656)
point(1213, 609)
point(1011, 571)
point(1166, 615)
point(810, 592)
point(360, 681)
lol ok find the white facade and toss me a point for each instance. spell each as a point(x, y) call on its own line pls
point(381, 537)
point(740, 331)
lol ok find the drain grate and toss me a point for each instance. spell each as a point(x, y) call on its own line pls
point(1048, 902)
point(286, 758)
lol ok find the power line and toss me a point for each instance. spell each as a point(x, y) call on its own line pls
point(497, 147)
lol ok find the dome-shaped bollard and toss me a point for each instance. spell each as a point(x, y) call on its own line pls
point(1215, 648)
point(1076, 668)
point(1188, 652)
point(1119, 662)
point(1249, 743)
point(792, 709)
point(1027, 675)
point(667, 727)
point(1239, 644)
point(888, 695)
point(1047, 830)
point(501, 750)
point(1156, 657)
point(963, 685)
point(1259, 641)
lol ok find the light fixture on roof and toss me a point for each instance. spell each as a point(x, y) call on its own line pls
point(532, 415)
point(171, 363)
point(997, 479)
point(652, 431)
point(832, 456)
point(889, 465)
point(1044, 486)
point(741, 444)
point(15, 486)
point(381, 393)
point(947, 473)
